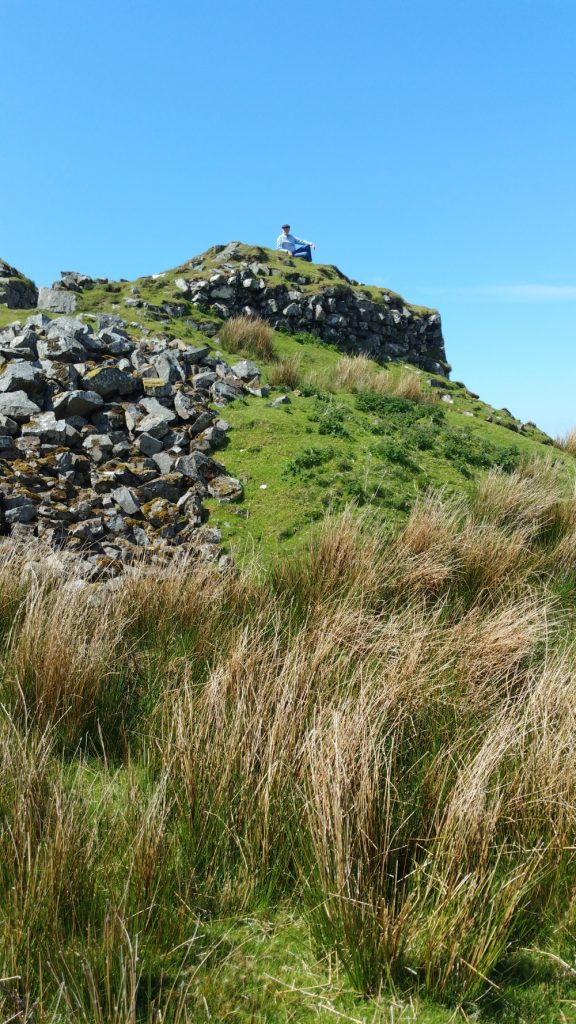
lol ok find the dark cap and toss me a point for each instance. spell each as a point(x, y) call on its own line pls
point(285, 226)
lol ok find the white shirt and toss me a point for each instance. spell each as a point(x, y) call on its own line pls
point(289, 242)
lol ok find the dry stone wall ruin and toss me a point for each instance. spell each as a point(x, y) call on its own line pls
point(345, 313)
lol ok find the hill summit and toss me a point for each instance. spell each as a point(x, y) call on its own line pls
point(229, 280)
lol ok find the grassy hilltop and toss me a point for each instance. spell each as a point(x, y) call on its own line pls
point(353, 431)
point(337, 783)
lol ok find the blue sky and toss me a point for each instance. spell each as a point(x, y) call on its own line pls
point(428, 146)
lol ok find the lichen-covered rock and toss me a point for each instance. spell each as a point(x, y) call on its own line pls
point(64, 348)
point(17, 406)
point(225, 488)
point(109, 380)
point(21, 376)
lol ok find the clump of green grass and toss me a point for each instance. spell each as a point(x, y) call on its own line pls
point(395, 407)
point(249, 334)
point(308, 459)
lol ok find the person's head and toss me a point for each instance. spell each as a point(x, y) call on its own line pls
point(286, 228)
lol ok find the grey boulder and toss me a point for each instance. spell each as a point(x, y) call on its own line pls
point(8, 426)
point(21, 376)
point(62, 348)
point(56, 301)
point(77, 403)
point(50, 430)
point(168, 367)
point(127, 500)
point(19, 509)
point(246, 370)
point(149, 445)
point(109, 380)
point(17, 406)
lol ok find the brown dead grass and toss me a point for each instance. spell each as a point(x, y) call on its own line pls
point(359, 373)
point(286, 373)
point(567, 442)
point(406, 384)
point(354, 373)
point(249, 334)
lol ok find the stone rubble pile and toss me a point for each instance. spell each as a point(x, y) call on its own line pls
point(107, 443)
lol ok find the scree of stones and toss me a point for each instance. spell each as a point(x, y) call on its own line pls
point(107, 443)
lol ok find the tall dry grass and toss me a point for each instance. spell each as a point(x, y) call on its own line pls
point(380, 730)
point(286, 372)
point(407, 384)
point(354, 373)
point(359, 373)
point(65, 650)
point(529, 498)
point(567, 442)
point(250, 335)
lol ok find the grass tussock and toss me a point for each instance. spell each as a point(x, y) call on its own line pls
point(530, 498)
point(407, 384)
point(567, 442)
point(359, 373)
point(286, 373)
point(380, 732)
point(354, 373)
point(249, 335)
point(67, 647)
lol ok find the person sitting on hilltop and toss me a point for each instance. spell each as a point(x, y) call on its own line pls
point(295, 246)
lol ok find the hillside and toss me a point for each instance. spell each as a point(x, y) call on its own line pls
point(345, 407)
point(287, 651)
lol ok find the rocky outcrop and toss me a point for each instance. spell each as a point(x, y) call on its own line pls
point(355, 318)
point(61, 297)
point(107, 441)
point(16, 291)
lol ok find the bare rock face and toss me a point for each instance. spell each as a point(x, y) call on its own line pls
point(106, 441)
point(56, 301)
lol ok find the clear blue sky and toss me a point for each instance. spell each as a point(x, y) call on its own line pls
point(426, 146)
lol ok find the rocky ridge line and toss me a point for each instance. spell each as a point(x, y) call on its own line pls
point(341, 313)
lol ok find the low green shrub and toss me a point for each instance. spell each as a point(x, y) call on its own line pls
point(309, 458)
